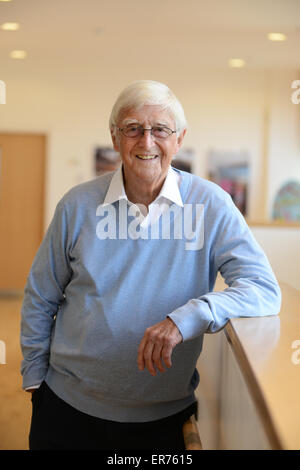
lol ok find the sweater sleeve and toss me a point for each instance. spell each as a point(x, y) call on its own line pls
point(44, 292)
point(252, 287)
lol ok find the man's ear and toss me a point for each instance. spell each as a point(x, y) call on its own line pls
point(180, 139)
point(115, 141)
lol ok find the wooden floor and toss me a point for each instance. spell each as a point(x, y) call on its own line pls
point(15, 404)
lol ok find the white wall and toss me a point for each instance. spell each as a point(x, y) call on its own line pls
point(282, 247)
point(284, 133)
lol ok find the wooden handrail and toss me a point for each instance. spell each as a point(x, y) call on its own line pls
point(191, 435)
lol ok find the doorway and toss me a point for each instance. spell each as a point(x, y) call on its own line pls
point(22, 182)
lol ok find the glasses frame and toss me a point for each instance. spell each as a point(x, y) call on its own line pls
point(143, 129)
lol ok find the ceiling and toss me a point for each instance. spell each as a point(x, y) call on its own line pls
point(144, 35)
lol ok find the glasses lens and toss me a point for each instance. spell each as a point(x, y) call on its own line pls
point(137, 131)
point(161, 132)
point(132, 131)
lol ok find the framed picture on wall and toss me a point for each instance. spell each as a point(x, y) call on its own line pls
point(106, 159)
point(231, 171)
point(184, 160)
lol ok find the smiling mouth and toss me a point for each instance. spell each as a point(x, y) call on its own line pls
point(146, 157)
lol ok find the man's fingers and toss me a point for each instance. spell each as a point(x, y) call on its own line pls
point(148, 351)
point(157, 345)
point(152, 354)
point(157, 357)
point(166, 355)
point(145, 355)
point(140, 359)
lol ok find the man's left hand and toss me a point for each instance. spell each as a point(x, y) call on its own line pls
point(157, 344)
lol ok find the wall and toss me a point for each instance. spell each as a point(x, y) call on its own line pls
point(281, 245)
point(284, 133)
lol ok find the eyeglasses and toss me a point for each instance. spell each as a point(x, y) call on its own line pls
point(134, 131)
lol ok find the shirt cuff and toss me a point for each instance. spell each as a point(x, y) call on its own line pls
point(192, 319)
point(33, 386)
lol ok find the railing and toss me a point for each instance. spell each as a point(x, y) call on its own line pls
point(191, 435)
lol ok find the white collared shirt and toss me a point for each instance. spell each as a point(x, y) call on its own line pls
point(168, 194)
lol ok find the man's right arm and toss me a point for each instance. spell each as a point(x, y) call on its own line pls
point(44, 292)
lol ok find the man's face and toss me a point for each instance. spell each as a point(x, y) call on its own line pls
point(150, 171)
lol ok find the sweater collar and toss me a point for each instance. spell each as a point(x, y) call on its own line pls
point(169, 190)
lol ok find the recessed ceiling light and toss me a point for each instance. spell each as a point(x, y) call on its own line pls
point(5, 0)
point(10, 26)
point(236, 63)
point(18, 54)
point(276, 37)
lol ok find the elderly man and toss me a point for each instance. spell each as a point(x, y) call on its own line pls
point(120, 293)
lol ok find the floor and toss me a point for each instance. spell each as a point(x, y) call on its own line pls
point(15, 404)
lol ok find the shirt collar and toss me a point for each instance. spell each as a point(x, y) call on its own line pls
point(116, 188)
point(169, 190)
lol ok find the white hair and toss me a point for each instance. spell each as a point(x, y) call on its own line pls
point(148, 92)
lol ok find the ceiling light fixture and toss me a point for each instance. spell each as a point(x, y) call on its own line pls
point(276, 37)
point(236, 63)
point(17, 54)
point(10, 26)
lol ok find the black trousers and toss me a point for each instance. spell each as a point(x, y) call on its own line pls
point(55, 425)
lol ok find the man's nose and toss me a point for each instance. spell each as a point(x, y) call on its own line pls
point(147, 138)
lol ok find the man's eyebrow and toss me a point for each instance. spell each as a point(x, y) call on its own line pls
point(128, 121)
point(163, 124)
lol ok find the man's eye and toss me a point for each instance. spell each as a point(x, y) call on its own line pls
point(161, 130)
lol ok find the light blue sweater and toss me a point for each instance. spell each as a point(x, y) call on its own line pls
point(89, 298)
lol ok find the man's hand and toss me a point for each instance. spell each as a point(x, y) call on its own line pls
point(157, 344)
